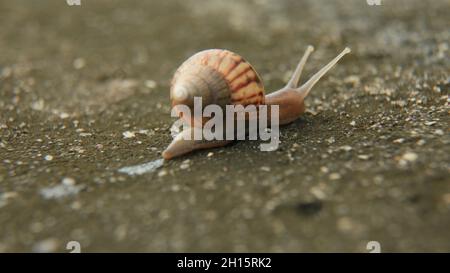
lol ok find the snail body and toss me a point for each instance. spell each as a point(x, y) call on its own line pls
point(222, 77)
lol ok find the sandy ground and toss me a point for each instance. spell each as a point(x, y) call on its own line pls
point(84, 92)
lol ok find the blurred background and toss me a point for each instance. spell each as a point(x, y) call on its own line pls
point(84, 92)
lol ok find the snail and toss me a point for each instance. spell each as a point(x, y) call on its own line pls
point(222, 77)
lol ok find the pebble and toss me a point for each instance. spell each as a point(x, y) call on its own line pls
point(48, 157)
point(150, 84)
point(353, 80)
point(68, 181)
point(76, 205)
point(38, 105)
point(318, 193)
point(185, 164)
point(4, 197)
point(353, 123)
point(400, 103)
point(439, 132)
point(420, 142)
point(9, 195)
point(364, 157)
point(334, 176)
point(128, 134)
point(63, 115)
point(409, 156)
point(346, 148)
point(210, 154)
point(79, 63)
point(265, 169)
point(429, 123)
point(399, 140)
point(162, 173)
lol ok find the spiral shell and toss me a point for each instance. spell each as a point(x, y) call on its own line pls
point(218, 76)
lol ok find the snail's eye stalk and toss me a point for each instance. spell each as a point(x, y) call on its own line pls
point(293, 82)
point(306, 87)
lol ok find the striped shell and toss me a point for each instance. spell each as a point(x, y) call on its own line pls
point(218, 76)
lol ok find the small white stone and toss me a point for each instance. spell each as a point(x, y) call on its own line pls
point(429, 123)
point(128, 134)
point(210, 154)
point(265, 169)
point(9, 195)
point(318, 193)
point(346, 148)
point(331, 140)
point(420, 142)
point(38, 105)
point(353, 80)
point(162, 173)
point(353, 123)
point(364, 157)
point(79, 63)
point(48, 157)
point(63, 115)
point(399, 140)
point(68, 181)
point(439, 132)
point(410, 156)
point(335, 176)
point(150, 84)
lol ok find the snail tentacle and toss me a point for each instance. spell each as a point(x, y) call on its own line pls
point(293, 82)
point(306, 87)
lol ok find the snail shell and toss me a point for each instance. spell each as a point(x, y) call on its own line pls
point(219, 77)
